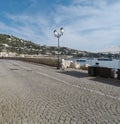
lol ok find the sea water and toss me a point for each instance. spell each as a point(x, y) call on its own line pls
point(111, 64)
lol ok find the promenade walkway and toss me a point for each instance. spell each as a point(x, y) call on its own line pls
point(37, 94)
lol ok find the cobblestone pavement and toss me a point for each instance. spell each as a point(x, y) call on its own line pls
point(36, 94)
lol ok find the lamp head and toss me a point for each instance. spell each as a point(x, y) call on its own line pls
point(55, 32)
point(62, 30)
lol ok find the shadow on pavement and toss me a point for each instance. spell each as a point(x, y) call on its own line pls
point(73, 73)
point(82, 74)
point(109, 81)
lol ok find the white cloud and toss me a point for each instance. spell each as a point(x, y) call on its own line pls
point(90, 2)
point(91, 26)
point(100, 27)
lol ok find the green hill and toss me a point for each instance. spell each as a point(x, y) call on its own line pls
point(16, 45)
point(13, 44)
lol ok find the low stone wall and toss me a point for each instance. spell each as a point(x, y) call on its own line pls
point(118, 73)
point(45, 61)
point(103, 72)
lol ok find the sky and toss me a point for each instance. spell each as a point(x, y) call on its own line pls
point(89, 25)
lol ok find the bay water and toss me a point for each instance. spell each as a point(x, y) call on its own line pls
point(114, 63)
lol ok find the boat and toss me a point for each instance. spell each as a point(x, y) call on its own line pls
point(81, 60)
point(104, 59)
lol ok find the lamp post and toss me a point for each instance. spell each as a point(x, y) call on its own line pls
point(58, 35)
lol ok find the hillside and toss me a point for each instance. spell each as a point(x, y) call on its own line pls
point(12, 44)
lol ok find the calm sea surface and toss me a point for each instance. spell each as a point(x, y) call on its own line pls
point(111, 64)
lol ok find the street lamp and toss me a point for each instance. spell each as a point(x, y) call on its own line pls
point(58, 35)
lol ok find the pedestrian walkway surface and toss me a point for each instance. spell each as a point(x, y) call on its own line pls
point(37, 94)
